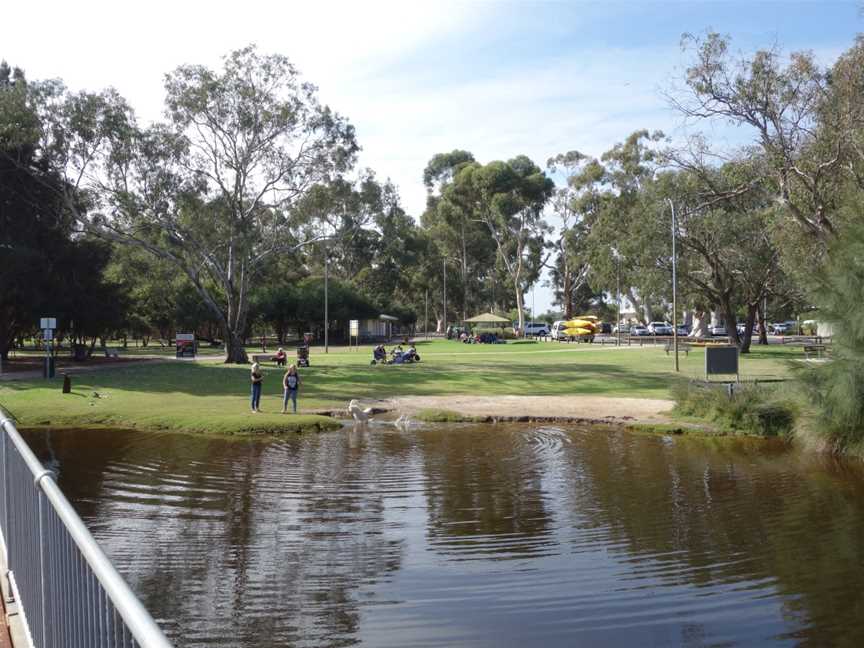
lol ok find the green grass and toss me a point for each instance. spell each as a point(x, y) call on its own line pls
point(212, 397)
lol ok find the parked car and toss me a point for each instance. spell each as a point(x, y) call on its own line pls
point(683, 329)
point(660, 328)
point(536, 328)
point(639, 331)
point(718, 329)
point(606, 327)
point(784, 328)
point(742, 328)
point(557, 331)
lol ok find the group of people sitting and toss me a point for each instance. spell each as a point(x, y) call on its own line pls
point(480, 338)
point(396, 356)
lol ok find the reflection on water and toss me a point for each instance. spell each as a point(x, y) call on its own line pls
point(475, 536)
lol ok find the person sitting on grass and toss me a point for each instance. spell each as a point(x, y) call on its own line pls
point(257, 377)
point(281, 357)
point(411, 355)
point(379, 354)
point(290, 386)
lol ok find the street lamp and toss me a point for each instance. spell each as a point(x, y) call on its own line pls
point(444, 267)
point(674, 289)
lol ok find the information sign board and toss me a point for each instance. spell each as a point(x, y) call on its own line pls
point(354, 325)
point(721, 360)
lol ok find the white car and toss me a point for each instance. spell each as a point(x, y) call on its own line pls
point(660, 328)
point(717, 330)
point(536, 328)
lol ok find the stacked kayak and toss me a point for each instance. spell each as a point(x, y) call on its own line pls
point(584, 325)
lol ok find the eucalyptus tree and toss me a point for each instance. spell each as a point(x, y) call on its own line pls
point(805, 137)
point(213, 189)
point(569, 271)
point(607, 197)
point(508, 199)
point(459, 238)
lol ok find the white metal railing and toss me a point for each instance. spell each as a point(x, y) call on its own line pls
point(67, 591)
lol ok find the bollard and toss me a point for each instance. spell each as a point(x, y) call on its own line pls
point(67, 384)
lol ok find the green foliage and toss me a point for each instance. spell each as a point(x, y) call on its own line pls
point(751, 409)
point(837, 387)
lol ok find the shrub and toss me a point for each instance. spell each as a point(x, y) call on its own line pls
point(746, 409)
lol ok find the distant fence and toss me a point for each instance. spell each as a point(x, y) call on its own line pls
point(67, 591)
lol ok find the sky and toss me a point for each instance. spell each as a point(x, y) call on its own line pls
point(499, 78)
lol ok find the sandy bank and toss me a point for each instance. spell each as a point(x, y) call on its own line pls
point(573, 407)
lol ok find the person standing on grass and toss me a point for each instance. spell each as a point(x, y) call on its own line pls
point(257, 378)
point(290, 385)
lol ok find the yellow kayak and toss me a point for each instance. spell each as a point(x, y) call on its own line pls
point(580, 323)
point(578, 330)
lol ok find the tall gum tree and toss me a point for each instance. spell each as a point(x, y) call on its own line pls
point(213, 189)
point(508, 199)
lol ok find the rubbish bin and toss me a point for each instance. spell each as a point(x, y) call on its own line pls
point(48, 367)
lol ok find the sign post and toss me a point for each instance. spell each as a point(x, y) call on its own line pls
point(354, 333)
point(185, 344)
point(48, 326)
point(721, 360)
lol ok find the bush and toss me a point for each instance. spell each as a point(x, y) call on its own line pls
point(836, 388)
point(750, 409)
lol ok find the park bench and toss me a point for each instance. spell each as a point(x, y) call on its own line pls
point(682, 346)
point(262, 357)
point(817, 350)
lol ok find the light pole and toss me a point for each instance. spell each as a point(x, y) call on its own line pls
point(326, 301)
point(618, 295)
point(444, 266)
point(674, 289)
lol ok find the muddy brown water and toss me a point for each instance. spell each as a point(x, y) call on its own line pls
point(474, 536)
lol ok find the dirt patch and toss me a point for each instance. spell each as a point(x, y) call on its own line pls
point(564, 408)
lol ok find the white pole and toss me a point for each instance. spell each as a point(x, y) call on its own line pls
point(444, 265)
point(674, 290)
point(326, 302)
point(618, 287)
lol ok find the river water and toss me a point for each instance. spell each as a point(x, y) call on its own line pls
point(474, 536)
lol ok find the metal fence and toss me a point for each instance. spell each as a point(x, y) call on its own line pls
point(67, 591)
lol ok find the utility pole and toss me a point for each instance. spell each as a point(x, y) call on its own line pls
point(674, 289)
point(326, 301)
point(618, 293)
point(444, 266)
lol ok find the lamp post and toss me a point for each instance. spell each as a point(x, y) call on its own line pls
point(326, 300)
point(674, 289)
point(618, 295)
point(444, 267)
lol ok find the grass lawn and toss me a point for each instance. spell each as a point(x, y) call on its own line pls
point(212, 397)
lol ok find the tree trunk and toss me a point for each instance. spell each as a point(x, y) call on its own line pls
point(235, 353)
point(568, 301)
point(763, 325)
point(749, 321)
point(728, 312)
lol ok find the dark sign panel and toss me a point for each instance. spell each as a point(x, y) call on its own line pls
point(721, 360)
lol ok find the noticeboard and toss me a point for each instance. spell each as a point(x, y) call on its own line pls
point(721, 360)
point(48, 323)
point(354, 326)
point(185, 345)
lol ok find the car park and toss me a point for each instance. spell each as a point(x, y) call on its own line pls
point(660, 328)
